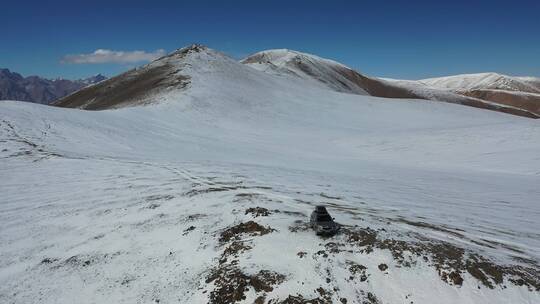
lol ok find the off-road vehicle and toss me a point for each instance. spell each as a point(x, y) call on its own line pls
point(322, 222)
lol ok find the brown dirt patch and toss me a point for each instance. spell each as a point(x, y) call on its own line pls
point(298, 299)
point(231, 283)
point(449, 260)
point(333, 247)
point(299, 226)
point(234, 249)
point(371, 299)
point(130, 88)
point(358, 271)
point(264, 280)
point(361, 238)
point(527, 101)
point(249, 228)
point(324, 298)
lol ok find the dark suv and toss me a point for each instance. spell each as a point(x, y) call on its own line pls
point(322, 222)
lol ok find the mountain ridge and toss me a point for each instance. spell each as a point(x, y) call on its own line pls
point(164, 77)
point(136, 86)
point(341, 78)
point(490, 80)
point(13, 86)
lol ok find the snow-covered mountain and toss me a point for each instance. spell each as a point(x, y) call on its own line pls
point(13, 86)
point(159, 78)
point(198, 189)
point(485, 81)
point(138, 86)
point(341, 78)
point(518, 92)
point(306, 66)
point(92, 79)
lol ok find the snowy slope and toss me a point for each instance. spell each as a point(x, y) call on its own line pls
point(485, 81)
point(138, 86)
point(516, 92)
point(323, 71)
point(533, 81)
point(338, 77)
point(202, 196)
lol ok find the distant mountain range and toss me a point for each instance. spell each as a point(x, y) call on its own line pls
point(13, 86)
point(143, 85)
point(165, 76)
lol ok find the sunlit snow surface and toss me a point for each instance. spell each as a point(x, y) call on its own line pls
point(128, 205)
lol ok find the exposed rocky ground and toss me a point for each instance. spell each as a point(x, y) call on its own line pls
point(160, 233)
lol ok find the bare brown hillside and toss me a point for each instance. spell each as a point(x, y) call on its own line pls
point(135, 87)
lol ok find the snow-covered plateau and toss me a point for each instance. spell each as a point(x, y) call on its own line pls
point(202, 194)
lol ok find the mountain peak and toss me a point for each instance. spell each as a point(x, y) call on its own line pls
point(483, 81)
point(322, 71)
point(193, 48)
point(143, 84)
point(9, 74)
point(93, 79)
point(281, 57)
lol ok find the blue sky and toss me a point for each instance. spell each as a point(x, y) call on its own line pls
point(399, 39)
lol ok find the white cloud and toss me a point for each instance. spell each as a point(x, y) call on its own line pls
point(109, 56)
